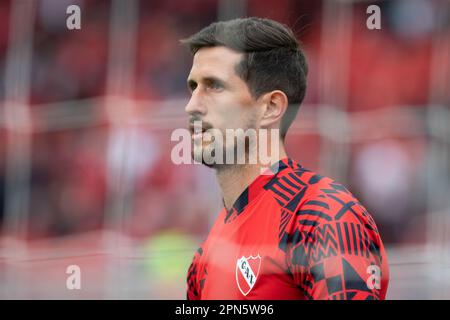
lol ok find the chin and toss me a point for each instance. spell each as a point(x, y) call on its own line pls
point(199, 158)
point(198, 155)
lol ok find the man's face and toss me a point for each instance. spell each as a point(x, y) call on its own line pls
point(219, 97)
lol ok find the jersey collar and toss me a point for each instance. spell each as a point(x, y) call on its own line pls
point(257, 186)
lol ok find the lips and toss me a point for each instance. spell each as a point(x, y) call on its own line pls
point(195, 130)
point(198, 130)
point(197, 136)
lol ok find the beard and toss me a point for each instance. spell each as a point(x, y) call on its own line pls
point(218, 150)
point(209, 150)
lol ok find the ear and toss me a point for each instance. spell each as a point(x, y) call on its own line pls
point(276, 103)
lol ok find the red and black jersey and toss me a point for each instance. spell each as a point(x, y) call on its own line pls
point(292, 234)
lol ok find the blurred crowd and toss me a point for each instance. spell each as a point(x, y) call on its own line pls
point(74, 171)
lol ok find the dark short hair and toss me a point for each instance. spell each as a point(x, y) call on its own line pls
point(273, 59)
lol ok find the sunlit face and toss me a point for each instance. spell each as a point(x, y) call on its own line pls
point(219, 97)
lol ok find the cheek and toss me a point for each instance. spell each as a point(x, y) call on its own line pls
point(242, 118)
point(225, 112)
point(232, 112)
point(236, 117)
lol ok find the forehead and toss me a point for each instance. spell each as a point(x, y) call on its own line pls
point(215, 61)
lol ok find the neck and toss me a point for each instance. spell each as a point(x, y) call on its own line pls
point(234, 179)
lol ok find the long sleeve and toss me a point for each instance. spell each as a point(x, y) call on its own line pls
point(193, 285)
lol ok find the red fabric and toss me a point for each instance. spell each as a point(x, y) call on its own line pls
point(299, 235)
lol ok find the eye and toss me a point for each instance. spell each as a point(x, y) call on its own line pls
point(214, 85)
point(192, 85)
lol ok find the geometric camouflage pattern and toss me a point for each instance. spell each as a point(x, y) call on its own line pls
point(319, 242)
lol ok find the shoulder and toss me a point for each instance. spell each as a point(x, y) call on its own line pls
point(322, 199)
point(324, 208)
point(330, 219)
point(332, 202)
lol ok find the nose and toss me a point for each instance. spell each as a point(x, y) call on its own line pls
point(195, 104)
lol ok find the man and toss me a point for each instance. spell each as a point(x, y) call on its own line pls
point(284, 232)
